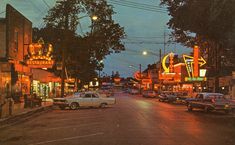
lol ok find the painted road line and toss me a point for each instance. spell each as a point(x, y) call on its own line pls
point(64, 127)
point(69, 138)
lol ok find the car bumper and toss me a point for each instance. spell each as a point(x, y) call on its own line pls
point(61, 104)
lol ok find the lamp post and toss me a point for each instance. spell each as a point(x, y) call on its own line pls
point(140, 73)
point(160, 58)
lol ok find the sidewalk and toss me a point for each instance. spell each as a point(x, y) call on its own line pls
point(20, 113)
point(19, 108)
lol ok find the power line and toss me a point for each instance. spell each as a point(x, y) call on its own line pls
point(2, 12)
point(146, 42)
point(144, 4)
point(139, 7)
point(139, 4)
point(46, 4)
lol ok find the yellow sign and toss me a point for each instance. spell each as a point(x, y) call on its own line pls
point(189, 61)
point(40, 55)
point(170, 68)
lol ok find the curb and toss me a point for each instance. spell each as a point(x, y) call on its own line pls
point(23, 116)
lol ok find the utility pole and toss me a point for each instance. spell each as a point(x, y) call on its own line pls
point(160, 69)
point(66, 29)
point(140, 83)
point(164, 42)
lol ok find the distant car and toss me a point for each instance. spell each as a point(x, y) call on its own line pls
point(86, 99)
point(176, 97)
point(167, 97)
point(149, 93)
point(211, 102)
point(134, 91)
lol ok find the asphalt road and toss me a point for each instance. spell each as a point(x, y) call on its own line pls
point(132, 121)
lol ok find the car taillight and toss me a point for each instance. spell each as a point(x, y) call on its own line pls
point(213, 100)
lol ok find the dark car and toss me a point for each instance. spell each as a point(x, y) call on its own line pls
point(149, 94)
point(211, 102)
point(167, 97)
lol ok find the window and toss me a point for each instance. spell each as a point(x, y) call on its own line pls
point(16, 40)
point(95, 96)
point(87, 96)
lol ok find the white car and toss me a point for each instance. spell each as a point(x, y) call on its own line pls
point(86, 99)
point(134, 91)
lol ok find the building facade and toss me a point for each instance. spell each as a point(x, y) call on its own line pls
point(15, 36)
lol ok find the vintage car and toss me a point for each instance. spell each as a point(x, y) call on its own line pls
point(172, 97)
point(134, 91)
point(149, 93)
point(210, 102)
point(85, 99)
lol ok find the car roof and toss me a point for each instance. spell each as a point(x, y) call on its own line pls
point(207, 94)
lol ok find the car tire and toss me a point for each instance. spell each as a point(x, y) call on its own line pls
point(74, 106)
point(103, 105)
point(206, 109)
point(62, 107)
point(190, 108)
point(227, 111)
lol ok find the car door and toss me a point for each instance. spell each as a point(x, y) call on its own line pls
point(86, 100)
point(95, 100)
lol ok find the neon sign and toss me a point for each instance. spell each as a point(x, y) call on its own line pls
point(171, 62)
point(192, 65)
point(40, 55)
point(189, 62)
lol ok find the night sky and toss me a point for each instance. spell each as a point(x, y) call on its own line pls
point(144, 23)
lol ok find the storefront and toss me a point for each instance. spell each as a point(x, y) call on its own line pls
point(45, 84)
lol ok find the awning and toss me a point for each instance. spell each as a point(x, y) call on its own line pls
point(44, 76)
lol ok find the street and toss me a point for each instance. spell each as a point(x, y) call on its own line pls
point(134, 120)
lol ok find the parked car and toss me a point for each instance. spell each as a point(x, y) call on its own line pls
point(134, 91)
point(166, 97)
point(211, 102)
point(107, 90)
point(86, 99)
point(149, 93)
point(171, 97)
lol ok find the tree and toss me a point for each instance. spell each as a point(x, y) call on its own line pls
point(209, 24)
point(83, 52)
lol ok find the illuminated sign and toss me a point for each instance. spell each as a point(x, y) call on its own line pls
point(202, 72)
point(191, 79)
point(192, 65)
point(170, 68)
point(189, 62)
point(40, 63)
point(40, 55)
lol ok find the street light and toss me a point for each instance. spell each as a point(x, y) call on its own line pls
point(99, 69)
point(140, 82)
point(94, 17)
point(144, 52)
point(160, 57)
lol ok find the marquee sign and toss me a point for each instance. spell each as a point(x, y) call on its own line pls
point(40, 55)
point(193, 65)
point(189, 62)
point(168, 69)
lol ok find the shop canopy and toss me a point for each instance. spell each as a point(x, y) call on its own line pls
point(44, 76)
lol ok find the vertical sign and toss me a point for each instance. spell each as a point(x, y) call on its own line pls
point(195, 60)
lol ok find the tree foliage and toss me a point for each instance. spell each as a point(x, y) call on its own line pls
point(207, 23)
point(83, 51)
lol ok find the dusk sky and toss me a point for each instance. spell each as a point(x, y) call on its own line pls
point(144, 23)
